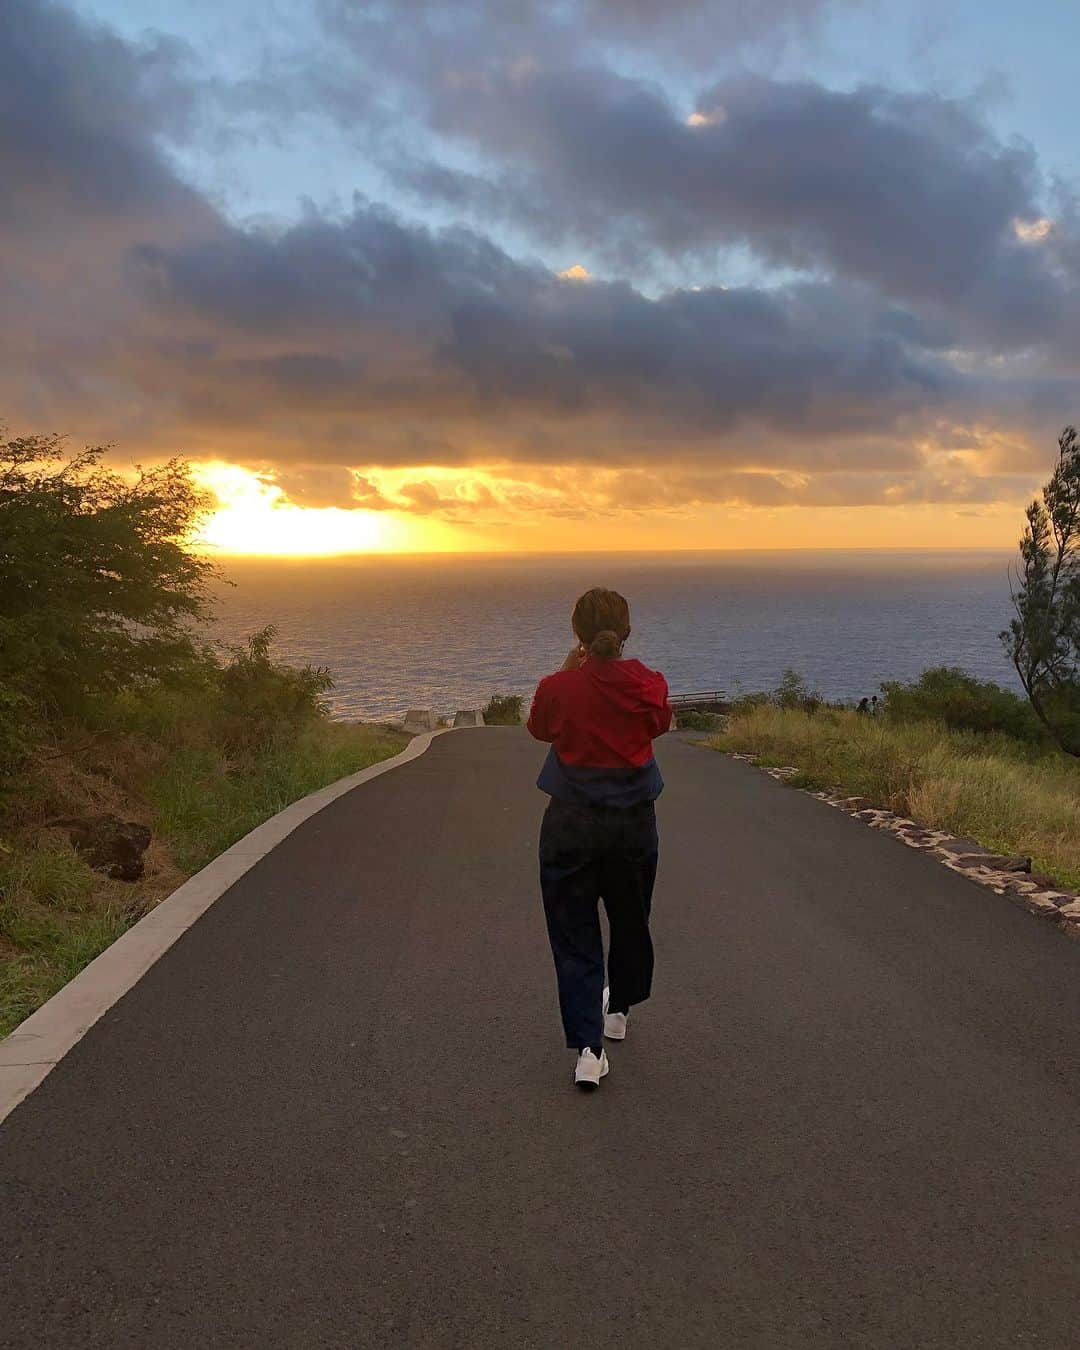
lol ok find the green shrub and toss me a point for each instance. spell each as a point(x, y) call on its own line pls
point(503, 710)
point(692, 720)
point(169, 716)
point(263, 704)
point(245, 706)
point(950, 695)
point(745, 702)
point(793, 693)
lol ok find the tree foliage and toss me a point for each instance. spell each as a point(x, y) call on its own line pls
point(1043, 640)
point(98, 591)
point(97, 588)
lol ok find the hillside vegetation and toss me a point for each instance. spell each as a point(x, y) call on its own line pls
point(131, 751)
point(1013, 794)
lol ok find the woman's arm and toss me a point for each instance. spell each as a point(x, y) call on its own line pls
point(538, 723)
point(575, 657)
point(660, 720)
point(541, 721)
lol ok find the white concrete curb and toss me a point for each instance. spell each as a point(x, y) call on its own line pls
point(32, 1050)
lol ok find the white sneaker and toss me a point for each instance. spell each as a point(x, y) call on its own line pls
point(614, 1023)
point(615, 1026)
point(590, 1070)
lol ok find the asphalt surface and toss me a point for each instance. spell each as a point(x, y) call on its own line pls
point(339, 1113)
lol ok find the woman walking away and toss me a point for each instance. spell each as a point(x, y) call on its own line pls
point(600, 714)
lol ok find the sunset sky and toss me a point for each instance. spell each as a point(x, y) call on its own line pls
point(575, 274)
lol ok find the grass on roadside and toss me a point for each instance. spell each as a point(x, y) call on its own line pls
point(57, 914)
point(202, 808)
point(1011, 797)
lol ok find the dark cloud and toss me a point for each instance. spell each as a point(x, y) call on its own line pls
point(872, 488)
point(364, 340)
point(79, 109)
point(909, 193)
point(368, 318)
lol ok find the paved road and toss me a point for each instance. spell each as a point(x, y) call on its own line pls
point(338, 1112)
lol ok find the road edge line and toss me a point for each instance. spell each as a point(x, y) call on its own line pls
point(30, 1052)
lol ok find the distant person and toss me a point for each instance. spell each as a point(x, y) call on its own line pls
point(874, 706)
point(600, 713)
point(863, 706)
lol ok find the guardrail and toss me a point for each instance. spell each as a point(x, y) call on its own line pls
point(692, 700)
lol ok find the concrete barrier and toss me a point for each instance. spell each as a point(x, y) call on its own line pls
point(421, 719)
point(468, 717)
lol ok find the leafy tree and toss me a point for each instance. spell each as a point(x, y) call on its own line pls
point(98, 590)
point(1043, 640)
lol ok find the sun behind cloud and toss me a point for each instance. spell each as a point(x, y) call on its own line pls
point(480, 511)
point(255, 517)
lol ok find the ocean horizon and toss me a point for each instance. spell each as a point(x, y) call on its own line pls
point(446, 631)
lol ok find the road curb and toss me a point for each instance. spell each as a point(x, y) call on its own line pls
point(30, 1052)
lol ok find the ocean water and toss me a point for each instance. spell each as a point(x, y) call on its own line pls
point(445, 632)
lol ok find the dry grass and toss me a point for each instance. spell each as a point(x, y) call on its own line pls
point(1010, 797)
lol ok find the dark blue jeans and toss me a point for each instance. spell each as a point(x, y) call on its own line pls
point(588, 854)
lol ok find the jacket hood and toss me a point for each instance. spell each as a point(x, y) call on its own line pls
point(628, 684)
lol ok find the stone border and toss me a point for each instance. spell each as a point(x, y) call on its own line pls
point(36, 1046)
point(1004, 876)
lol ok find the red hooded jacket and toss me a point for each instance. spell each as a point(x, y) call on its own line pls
point(601, 720)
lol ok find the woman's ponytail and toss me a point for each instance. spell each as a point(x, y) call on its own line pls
point(606, 645)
